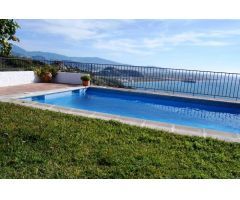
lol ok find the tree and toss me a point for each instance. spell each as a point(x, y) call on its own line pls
point(8, 29)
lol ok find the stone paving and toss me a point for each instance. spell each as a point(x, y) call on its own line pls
point(32, 87)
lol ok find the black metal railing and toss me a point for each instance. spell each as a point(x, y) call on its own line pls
point(192, 82)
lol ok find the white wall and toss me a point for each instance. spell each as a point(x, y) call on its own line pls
point(67, 77)
point(17, 78)
point(26, 77)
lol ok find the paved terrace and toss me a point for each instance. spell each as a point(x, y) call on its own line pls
point(32, 87)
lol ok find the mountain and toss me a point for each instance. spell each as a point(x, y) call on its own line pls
point(39, 55)
point(112, 71)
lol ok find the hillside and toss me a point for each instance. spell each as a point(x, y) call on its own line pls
point(39, 55)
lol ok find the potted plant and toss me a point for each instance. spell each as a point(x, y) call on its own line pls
point(86, 80)
point(46, 73)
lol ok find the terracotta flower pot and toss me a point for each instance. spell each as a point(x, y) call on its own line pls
point(46, 78)
point(86, 83)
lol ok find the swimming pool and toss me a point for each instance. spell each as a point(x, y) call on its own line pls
point(214, 115)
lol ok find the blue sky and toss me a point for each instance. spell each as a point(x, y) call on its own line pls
point(192, 44)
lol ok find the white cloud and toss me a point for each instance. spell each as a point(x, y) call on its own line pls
point(74, 29)
point(78, 29)
point(121, 45)
point(146, 46)
point(111, 35)
point(188, 38)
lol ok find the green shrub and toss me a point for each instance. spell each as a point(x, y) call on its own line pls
point(41, 71)
point(86, 78)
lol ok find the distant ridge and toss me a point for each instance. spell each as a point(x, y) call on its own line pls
point(39, 55)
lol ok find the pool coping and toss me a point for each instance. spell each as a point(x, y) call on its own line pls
point(171, 128)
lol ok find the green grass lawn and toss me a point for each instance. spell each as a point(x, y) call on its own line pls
point(44, 144)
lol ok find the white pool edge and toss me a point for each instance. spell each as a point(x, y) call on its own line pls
point(171, 128)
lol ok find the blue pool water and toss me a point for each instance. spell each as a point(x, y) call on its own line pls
point(181, 111)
